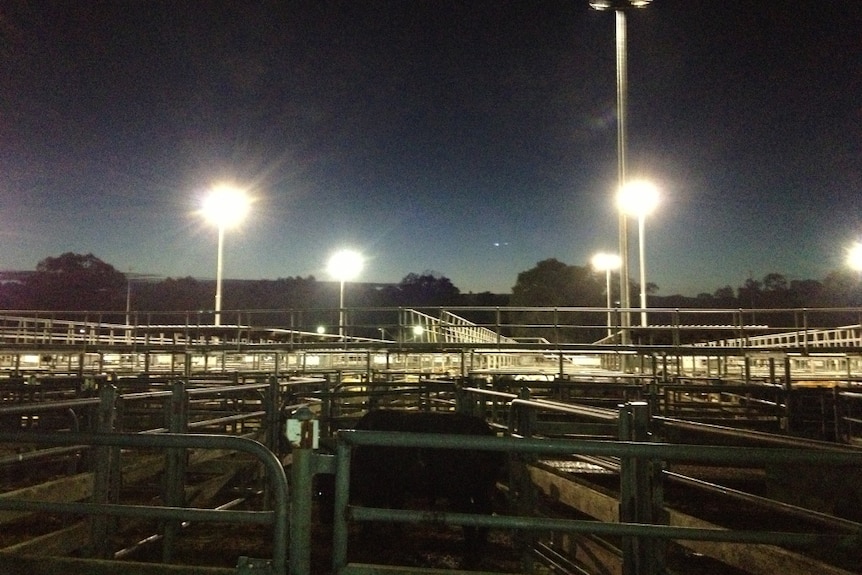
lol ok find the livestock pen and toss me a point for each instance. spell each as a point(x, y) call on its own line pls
point(669, 455)
point(588, 485)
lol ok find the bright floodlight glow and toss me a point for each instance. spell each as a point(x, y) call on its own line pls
point(638, 198)
point(345, 265)
point(603, 262)
point(418, 330)
point(618, 4)
point(226, 206)
point(854, 256)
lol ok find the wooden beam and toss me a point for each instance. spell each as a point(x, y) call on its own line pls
point(60, 542)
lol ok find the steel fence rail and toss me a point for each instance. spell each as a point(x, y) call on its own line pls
point(277, 517)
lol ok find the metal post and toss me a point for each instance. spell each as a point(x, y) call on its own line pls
point(628, 492)
point(609, 300)
point(219, 266)
point(99, 524)
point(175, 465)
point(301, 474)
point(622, 90)
point(642, 267)
point(272, 414)
point(788, 398)
point(341, 312)
point(640, 493)
point(339, 523)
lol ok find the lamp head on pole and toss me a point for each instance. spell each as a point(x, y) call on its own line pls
point(638, 198)
point(618, 4)
point(854, 256)
point(604, 262)
point(345, 265)
point(226, 206)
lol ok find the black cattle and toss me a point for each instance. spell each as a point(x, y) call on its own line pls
point(397, 476)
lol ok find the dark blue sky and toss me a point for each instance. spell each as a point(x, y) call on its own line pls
point(470, 138)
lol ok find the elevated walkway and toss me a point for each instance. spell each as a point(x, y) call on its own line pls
point(553, 342)
point(849, 336)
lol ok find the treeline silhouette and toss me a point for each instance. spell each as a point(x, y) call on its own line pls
point(75, 282)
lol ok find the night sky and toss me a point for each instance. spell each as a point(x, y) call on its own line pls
point(471, 138)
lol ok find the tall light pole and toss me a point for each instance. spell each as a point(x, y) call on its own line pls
point(128, 297)
point(620, 7)
point(604, 262)
point(344, 266)
point(639, 199)
point(226, 206)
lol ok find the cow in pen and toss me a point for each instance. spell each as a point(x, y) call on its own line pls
point(461, 480)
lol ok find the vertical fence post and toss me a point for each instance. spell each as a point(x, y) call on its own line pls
point(301, 477)
point(326, 407)
point(650, 494)
point(339, 522)
point(641, 498)
point(628, 492)
point(788, 395)
point(271, 406)
point(463, 364)
point(99, 524)
point(175, 465)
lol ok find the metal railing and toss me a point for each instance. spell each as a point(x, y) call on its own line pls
point(786, 328)
point(276, 517)
point(629, 454)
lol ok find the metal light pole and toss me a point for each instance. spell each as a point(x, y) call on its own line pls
point(607, 263)
point(642, 267)
point(620, 7)
point(344, 266)
point(128, 297)
point(639, 199)
point(219, 271)
point(226, 206)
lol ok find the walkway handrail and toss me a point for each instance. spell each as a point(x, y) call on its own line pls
point(274, 470)
point(442, 324)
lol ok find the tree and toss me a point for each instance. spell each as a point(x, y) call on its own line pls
point(842, 288)
point(426, 289)
point(555, 284)
point(806, 293)
point(774, 282)
point(75, 282)
point(725, 297)
point(749, 294)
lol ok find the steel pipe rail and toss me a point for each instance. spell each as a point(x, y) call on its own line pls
point(827, 455)
point(772, 504)
point(43, 406)
point(601, 528)
point(572, 409)
point(278, 516)
point(630, 450)
point(788, 442)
